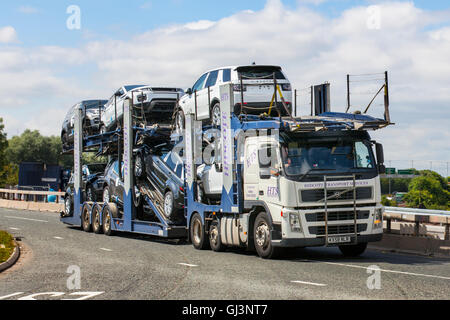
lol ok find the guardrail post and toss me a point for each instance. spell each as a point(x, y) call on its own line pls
point(447, 231)
point(417, 229)
point(388, 225)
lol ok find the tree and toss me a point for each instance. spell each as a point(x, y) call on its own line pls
point(3, 144)
point(429, 191)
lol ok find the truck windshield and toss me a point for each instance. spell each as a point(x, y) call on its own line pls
point(337, 156)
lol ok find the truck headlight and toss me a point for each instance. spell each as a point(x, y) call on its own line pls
point(294, 221)
point(378, 218)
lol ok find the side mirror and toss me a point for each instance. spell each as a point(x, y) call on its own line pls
point(189, 91)
point(380, 153)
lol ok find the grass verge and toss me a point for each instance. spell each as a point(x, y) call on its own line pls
point(6, 246)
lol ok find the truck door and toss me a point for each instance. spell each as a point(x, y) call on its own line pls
point(269, 172)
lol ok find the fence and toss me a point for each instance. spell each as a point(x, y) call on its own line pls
point(31, 200)
point(418, 217)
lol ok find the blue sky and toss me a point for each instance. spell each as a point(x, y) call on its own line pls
point(43, 22)
point(45, 67)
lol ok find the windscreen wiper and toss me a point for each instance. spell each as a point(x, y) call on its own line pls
point(315, 169)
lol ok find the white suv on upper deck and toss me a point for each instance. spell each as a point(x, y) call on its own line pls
point(258, 90)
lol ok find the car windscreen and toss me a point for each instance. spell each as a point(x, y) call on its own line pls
point(260, 73)
point(128, 88)
point(96, 168)
point(94, 104)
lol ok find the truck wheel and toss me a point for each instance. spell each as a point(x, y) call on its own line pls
point(216, 118)
point(86, 224)
point(262, 237)
point(96, 226)
point(197, 233)
point(353, 250)
point(214, 237)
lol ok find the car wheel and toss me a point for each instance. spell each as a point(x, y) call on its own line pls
point(262, 237)
point(216, 117)
point(68, 206)
point(179, 121)
point(102, 129)
point(90, 194)
point(106, 195)
point(353, 250)
point(197, 233)
point(139, 166)
point(168, 204)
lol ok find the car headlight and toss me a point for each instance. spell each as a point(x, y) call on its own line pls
point(378, 218)
point(294, 221)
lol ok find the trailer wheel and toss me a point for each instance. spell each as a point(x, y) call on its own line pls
point(262, 237)
point(214, 237)
point(353, 250)
point(197, 233)
point(86, 224)
point(107, 221)
point(96, 226)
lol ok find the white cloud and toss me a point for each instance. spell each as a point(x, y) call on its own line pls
point(8, 34)
point(26, 9)
point(412, 44)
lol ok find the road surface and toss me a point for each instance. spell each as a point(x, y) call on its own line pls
point(63, 262)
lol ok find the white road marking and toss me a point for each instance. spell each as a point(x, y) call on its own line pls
point(14, 228)
point(59, 238)
point(11, 295)
point(384, 270)
point(85, 295)
point(311, 283)
point(188, 265)
point(25, 219)
point(105, 249)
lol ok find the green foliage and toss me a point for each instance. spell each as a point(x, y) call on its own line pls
point(397, 185)
point(388, 203)
point(9, 175)
point(3, 144)
point(6, 246)
point(430, 191)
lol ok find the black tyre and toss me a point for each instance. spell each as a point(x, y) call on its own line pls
point(169, 205)
point(262, 237)
point(85, 218)
point(353, 250)
point(102, 129)
point(110, 211)
point(96, 225)
point(216, 117)
point(214, 237)
point(197, 233)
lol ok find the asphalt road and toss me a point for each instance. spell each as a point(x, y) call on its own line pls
point(140, 267)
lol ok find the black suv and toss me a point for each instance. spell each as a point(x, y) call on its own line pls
point(91, 184)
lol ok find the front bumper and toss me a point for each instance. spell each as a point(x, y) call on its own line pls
point(318, 242)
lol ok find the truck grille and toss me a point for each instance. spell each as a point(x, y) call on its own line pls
point(336, 216)
point(318, 194)
point(337, 229)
